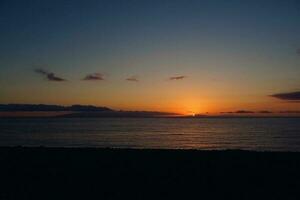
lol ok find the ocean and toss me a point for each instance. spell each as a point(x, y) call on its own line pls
point(259, 134)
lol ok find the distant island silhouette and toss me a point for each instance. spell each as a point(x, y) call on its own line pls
point(86, 111)
point(45, 107)
point(77, 111)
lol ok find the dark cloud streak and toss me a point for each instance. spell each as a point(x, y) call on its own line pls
point(49, 75)
point(288, 96)
point(94, 77)
point(173, 78)
point(132, 78)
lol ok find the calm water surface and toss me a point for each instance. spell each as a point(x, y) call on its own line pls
point(275, 134)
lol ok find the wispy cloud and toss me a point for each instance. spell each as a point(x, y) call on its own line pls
point(174, 78)
point(298, 51)
point(133, 78)
point(49, 75)
point(290, 96)
point(94, 77)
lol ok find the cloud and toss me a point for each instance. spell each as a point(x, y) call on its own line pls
point(49, 75)
point(172, 78)
point(132, 78)
point(93, 77)
point(290, 96)
point(298, 51)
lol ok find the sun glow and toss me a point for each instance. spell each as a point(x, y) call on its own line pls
point(191, 107)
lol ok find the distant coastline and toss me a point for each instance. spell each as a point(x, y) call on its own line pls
point(90, 111)
point(74, 111)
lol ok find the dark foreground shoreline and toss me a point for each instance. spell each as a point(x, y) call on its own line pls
point(90, 173)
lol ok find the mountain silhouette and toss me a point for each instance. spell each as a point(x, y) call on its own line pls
point(44, 107)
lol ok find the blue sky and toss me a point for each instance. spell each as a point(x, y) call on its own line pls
point(240, 51)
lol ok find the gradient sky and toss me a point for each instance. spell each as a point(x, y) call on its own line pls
point(178, 55)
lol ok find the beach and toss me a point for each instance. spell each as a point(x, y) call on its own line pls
point(90, 173)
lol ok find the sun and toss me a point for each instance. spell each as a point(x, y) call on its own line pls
point(191, 106)
point(190, 113)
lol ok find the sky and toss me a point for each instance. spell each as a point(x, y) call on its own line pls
point(185, 56)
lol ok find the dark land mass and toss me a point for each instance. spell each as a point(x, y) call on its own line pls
point(74, 111)
point(67, 173)
point(44, 107)
point(90, 111)
point(118, 114)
